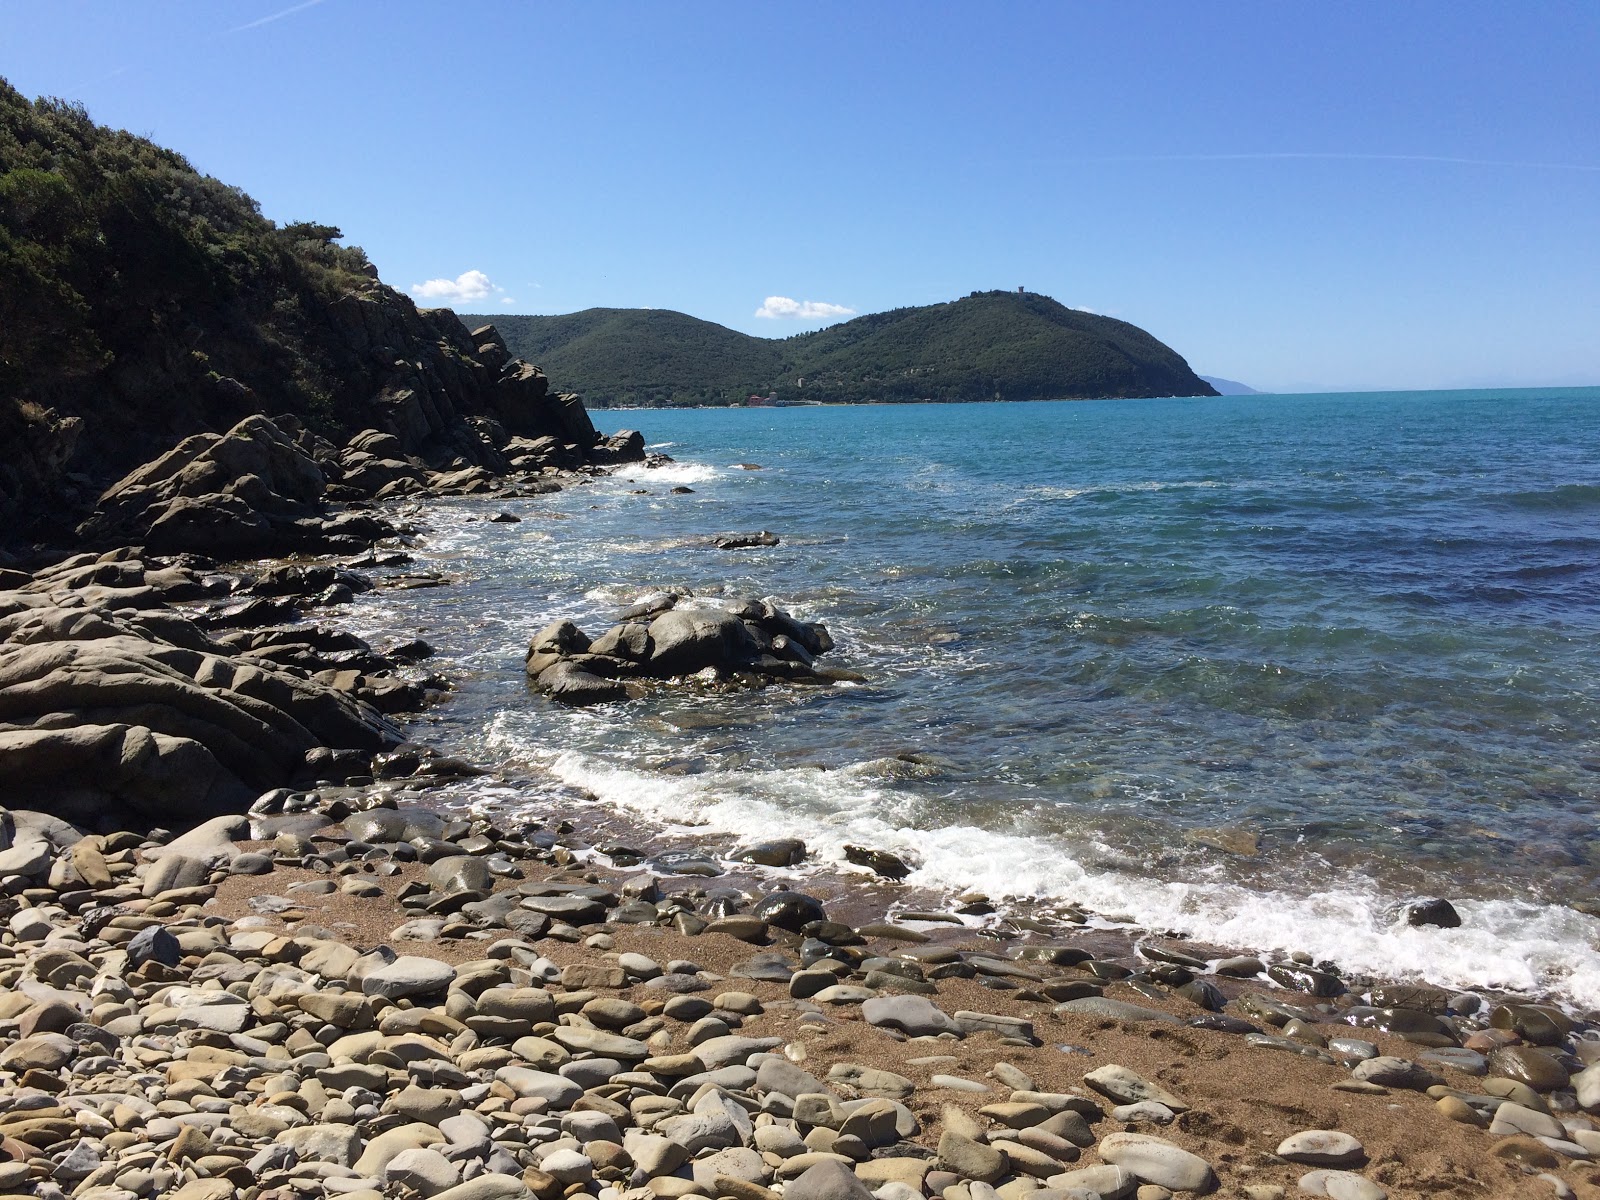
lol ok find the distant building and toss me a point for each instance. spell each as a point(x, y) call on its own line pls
point(762, 401)
point(1021, 290)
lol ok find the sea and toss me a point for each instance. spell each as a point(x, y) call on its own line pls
point(1254, 670)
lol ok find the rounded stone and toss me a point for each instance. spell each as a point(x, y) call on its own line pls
point(408, 976)
point(1322, 1148)
point(568, 1166)
point(1152, 1160)
point(789, 910)
point(916, 1016)
point(424, 1171)
point(971, 1159)
point(1341, 1185)
point(1527, 1064)
point(826, 1180)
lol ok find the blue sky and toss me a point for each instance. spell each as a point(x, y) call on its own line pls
point(1299, 196)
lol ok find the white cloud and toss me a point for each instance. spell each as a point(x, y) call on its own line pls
point(463, 289)
point(782, 308)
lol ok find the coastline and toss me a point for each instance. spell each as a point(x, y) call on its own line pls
point(287, 917)
point(1251, 1096)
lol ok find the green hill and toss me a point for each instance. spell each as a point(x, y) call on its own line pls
point(987, 346)
point(644, 355)
point(141, 301)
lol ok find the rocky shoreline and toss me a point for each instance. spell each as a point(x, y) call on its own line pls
point(406, 1002)
point(360, 989)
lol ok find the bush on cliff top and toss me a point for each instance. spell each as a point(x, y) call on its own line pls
point(127, 272)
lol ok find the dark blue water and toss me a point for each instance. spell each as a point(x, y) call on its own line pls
point(1110, 647)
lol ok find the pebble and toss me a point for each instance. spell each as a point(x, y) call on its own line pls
point(1145, 1112)
point(916, 1016)
point(1127, 1087)
point(1512, 1119)
point(1153, 1160)
point(1341, 1185)
point(1322, 1148)
point(408, 976)
point(1392, 1072)
point(220, 1057)
point(826, 1180)
point(971, 1159)
point(1119, 1010)
point(1529, 1065)
point(958, 1084)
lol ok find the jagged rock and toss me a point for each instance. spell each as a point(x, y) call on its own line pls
point(745, 541)
point(624, 446)
point(215, 494)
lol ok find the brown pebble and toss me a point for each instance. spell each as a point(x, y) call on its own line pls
point(1457, 1109)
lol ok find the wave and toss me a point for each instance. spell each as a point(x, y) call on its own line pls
point(1567, 497)
point(1112, 490)
point(1521, 947)
point(674, 472)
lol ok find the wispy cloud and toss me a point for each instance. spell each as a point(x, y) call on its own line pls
point(1337, 156)
point(277, 16)
point(463, 289)
point(781, 308)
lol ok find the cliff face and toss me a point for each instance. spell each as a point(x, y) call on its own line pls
point(141, 303)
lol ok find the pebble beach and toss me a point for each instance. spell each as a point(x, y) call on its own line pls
point(397, 1002)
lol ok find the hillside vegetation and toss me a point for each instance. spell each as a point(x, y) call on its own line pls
point(142, 301)
point(987, 346)
point(644, 355)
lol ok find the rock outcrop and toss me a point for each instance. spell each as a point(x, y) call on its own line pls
point(252, 491)
point(115, 707)
point(671, 635)
point(264, 487)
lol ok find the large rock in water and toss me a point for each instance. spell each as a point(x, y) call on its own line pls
point(678, 640)
point(571, 684)
point(686, 640)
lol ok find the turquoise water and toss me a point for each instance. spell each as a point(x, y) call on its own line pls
point(1360, 629)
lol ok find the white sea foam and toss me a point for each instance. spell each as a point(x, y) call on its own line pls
point(1550, 950)
point(673, 473)
point(1050, 492)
